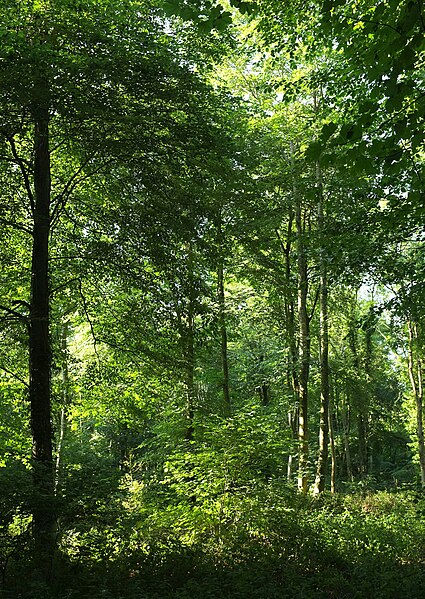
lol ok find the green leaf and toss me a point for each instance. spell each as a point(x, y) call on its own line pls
point(364, 163)
point(314, 150)
point(327, 131)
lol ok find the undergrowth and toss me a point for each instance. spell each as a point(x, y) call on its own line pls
point(261, 542)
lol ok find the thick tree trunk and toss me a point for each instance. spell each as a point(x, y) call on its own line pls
point(415, 375)
point(420, 422)
point(263, 388)
point(39, 349)
point(223, 334)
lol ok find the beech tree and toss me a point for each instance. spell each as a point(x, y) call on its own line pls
point(80, 91)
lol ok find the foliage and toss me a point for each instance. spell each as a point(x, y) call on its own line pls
point(271, 541)
point(209, 161)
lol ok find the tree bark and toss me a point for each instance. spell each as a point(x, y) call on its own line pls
point(65, 402)
point(368, 367)
point(190, 353)
point(346, 430)
point(361, 429)
point(362, 410)
point(333, 452)
point(304, 374)
point(293, 349)
point(223, 335)
point(322, 460)
point(304, 341)
point(39, 349)
point(416, 380)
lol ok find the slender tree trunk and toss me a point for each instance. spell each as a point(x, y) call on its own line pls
point(346, 431)
point(368, 367)
point(223, 333)
point(304, 342)
point(332, 447)
point(304, 374)
point(361, 429)
point(322, 460)
point(319, 485)
point(293, 349)
point(65, 402)
point(293, 426)
point(190, 378)
point(415, 375)
point(289, 468)
point(190, 353)
point(362, 411)
point(39, 350)
point(420, 422)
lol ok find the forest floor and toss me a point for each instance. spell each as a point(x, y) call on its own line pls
point(355, 546)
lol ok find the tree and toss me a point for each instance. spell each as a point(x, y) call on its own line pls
point(85, 90)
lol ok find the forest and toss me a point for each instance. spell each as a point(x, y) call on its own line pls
point(211, 299)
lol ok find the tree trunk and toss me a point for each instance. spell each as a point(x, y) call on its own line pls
point(223, 333)
point(361, 429)
point(304, 374)
point(190, 353)
point(322, 460)
point(39, 350)
point(361, 408)
point(293, 426)
point(319, 485)
point(65, 402)
point(304, 340)
point(345, 428)
point(415, 375)
point(368, 367)
point(293, 349)
point(333, 452)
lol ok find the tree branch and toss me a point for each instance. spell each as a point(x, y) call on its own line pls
point(14, 313)
point(316, 298)
point(15, 226)
point(87, 315)
point(70, 186)
point(53, 291)
point(20, 162)
point(14, 375)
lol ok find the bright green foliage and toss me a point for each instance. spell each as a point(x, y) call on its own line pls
point(186, 139)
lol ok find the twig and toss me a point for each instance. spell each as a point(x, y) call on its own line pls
point(24, 172)
point(14, 375)
point(16, 226)
point(53, 291)
point(70, 186)
point(314, 303)
point(87, 315)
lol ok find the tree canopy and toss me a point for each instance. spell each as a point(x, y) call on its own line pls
point(211, 299)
